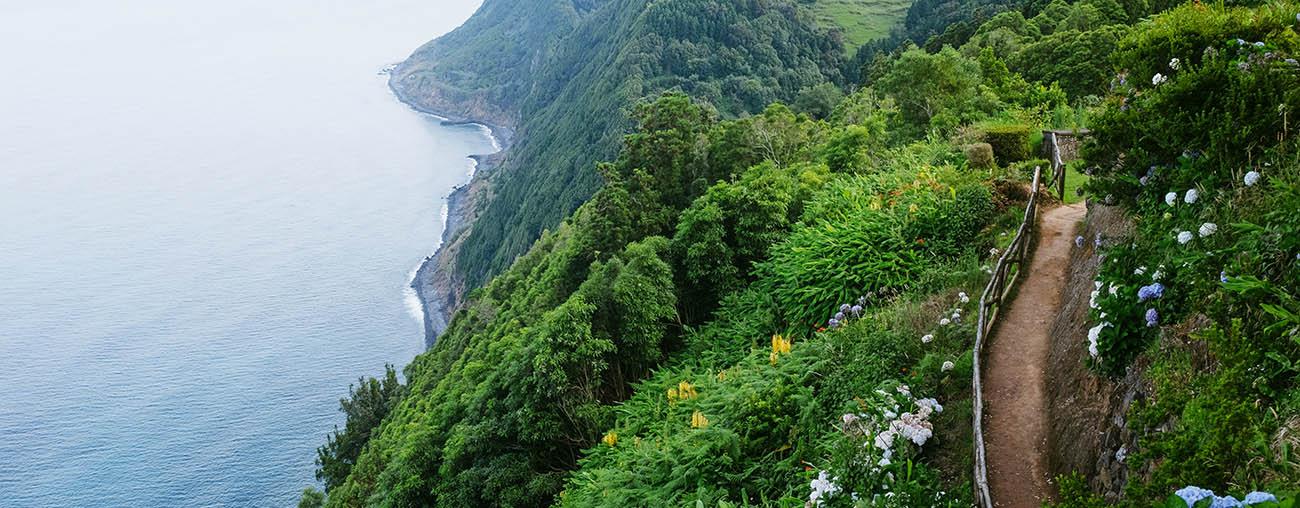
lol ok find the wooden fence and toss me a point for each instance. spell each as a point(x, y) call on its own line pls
point(1058, 167)
point(1005, 274)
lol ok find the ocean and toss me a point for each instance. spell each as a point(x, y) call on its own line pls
point(209, 215)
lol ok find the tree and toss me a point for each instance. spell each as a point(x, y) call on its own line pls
point(819, 101)
point(368, 402)
point(311, 498)
point(933, 90)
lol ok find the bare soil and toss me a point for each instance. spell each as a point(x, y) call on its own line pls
point(1015, 380)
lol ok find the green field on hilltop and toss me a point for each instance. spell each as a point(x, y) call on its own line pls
point(861, 20)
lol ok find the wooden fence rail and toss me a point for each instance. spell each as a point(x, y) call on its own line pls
point(1058, 168)
point(1005, 275)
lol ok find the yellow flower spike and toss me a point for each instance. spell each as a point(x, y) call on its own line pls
point(772, 358)
point(698, 421)
point(780, 344)
point(672, 395)
point(610, 439)
point(685, 391)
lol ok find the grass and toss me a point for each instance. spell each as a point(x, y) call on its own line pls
point(1074, 179)
point(862, 21)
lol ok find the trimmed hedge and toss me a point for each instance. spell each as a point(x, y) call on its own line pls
point(1010, 142)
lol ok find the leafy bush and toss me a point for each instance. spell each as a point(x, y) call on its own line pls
point(874, 233)
point(1202, 159)
point(1216, 82)
point(980, 155)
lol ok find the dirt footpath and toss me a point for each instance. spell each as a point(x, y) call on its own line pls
point(1015, 373)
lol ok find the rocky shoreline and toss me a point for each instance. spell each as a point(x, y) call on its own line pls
point(434, 284)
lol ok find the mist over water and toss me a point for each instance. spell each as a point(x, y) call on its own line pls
point(208, 217)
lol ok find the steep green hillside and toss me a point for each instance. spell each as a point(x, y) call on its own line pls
point(564, 74)
point(776, 309)
point(737, 56)
point(485, 69)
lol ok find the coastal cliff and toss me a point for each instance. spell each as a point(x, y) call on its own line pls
point(439, 290)
point(557, 81)
point(450, 79)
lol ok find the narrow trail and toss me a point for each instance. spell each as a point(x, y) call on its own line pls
point(1014, 390)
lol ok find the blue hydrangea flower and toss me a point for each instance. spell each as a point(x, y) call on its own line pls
point(856, 310)
point(1078, 241)
point(1225, 502)
point(1258, 497)
point(1096, 241)
point(834, 323)
point(839, 316)
point(844, 307)
point(1191, 494)
point(1153, 317)
point(1153, 291)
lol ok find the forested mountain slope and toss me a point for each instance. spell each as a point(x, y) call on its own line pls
point(776, 309)
point(563, 74)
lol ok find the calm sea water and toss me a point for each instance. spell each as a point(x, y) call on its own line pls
point(209, 212)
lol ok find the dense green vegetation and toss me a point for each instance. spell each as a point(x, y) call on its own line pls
point(771, 309)
point(573, 77)
point(1196, 143)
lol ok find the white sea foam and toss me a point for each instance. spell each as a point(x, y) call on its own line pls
point(414, 306)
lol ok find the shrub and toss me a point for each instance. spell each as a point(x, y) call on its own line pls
point(875, 233)
point(980, 155)
point(1024, 170)
point(1214, 83)
point(1010, 142)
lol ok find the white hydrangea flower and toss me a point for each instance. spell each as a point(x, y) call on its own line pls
point(1174, 64)
point(962, 296)
point(1184, 237)
point(947, 366)
point(1158, 79)
point(931, 404)
point(1171, 199)
point(1092, 300)
point(1094, 334)
point(927, 338)
point(1160, 274)
point(1191, 196)
point(1207, 229)
point(1252, 178)
point(1113, 289)
point(885, 440)
point(1141, 270)
point(822, 487)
